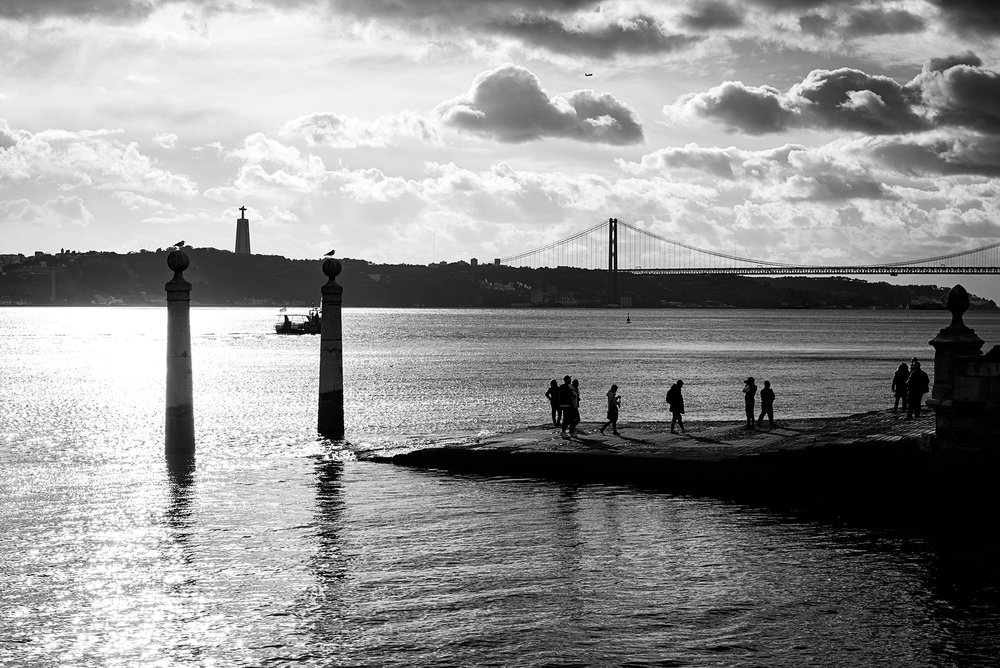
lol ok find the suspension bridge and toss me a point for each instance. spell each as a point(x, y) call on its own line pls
point(621, 247)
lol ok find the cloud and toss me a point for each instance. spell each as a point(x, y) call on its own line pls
point(817, 25)
point(875, 21)
point(795, 6)
point(831, 186)
point(752, 109)
point(712, 15)
point(958, 91)
point(330, 129)
point(970, 16)
point(950, 91)
point(717, 162)
point(273, 173)
point(89, 158)
point(135, 202)
point(142, 79)
point(9, 136)
point(946, 62)
point(110, 9)
point(635, 36)
point(58, 212)
point(790, 172)
point(849, 99)
point(583, 27)
point(509, 104)
point(932, 154)
point(165, 140)
point(466, 11)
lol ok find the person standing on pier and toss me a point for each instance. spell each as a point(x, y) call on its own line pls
point(676, 402)
point(566, 406)
point(899, 386)
point(750, 398)
point(614, 402)
point(552, 394)
point(576, 405)
point(766, 405)
point(916, 387)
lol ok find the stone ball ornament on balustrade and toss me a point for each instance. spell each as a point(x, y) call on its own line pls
point(332, 267)
point(177, 261)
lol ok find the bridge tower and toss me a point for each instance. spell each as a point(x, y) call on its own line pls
point(613, 261)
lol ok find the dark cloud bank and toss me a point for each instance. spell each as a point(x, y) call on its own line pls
point(558, 25)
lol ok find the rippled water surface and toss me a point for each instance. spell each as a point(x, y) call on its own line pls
point(280, 548)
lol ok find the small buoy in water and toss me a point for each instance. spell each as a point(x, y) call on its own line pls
point(628, 318)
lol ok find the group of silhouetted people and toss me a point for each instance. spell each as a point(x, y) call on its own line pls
point(766, 403)
point(909, 385)
point(565, 402)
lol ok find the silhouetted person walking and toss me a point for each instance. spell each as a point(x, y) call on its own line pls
point(676, 402)
point(614, 402)
point(899, 386)
point(916, 387)
point(750, 398)
point(766, 405)
point(552, 394)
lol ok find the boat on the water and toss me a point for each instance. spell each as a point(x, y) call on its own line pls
point(297, 323)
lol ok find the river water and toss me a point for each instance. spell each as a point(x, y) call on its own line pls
point(281, 548)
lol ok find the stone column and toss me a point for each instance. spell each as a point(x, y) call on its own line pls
point(179, 426)
point(331, 356)
point(953, 341)
point(952, 411)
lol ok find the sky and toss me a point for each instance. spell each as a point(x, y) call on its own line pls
point(804, 131)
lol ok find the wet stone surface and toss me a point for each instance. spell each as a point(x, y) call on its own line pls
point(709, 441)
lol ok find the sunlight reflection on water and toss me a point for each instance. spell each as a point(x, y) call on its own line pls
point(278, 547)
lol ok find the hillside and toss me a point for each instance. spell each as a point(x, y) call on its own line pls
point(222, 278)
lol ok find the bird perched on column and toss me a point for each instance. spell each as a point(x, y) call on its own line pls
point(330, 254)
point(179, 244)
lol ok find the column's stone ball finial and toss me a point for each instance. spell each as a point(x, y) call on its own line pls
point(332, 267)
point(178, 261)
point(957, 301)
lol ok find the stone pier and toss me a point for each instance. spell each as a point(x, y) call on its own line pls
point(943, 466)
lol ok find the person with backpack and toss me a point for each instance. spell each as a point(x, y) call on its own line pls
point(676, 402)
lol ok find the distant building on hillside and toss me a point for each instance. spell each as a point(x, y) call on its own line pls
point(242, 233)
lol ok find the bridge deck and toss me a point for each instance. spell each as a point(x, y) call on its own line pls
point(816, 271)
